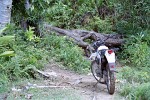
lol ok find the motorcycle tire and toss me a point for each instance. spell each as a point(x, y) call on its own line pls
point(110, 80)
point(94, 67)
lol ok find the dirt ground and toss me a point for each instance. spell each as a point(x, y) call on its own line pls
point(86, 85)
point(58, 85)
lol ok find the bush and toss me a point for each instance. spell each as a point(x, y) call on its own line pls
point(131, 16)
point(18, 57)
point(136, 85)
point(26, 57)
point(28, 53)
point(136, 50)
point(102, 26)
point(133, 75)
point(136, 92)
point(66, 51)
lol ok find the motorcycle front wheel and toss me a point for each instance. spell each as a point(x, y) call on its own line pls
point(110, 80)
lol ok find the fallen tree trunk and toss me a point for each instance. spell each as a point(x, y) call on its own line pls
point(79, 36)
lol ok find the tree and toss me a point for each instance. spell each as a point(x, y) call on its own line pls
point(5, 12)
point(79, 37)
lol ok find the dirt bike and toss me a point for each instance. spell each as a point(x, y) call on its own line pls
point(103, 65)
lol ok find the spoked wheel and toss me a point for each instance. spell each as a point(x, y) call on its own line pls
point(110, 80)
point(95, 69)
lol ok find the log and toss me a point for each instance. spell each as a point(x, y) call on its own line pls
point(79, 36)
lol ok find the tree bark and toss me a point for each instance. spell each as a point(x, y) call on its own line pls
point(5, 12)
point(78, 36)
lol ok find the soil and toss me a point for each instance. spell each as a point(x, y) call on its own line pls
point(83, 85)
point(86, 85)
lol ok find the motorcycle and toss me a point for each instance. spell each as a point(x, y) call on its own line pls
point(103, 65)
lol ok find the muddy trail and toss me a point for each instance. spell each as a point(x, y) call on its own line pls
point(86, 85)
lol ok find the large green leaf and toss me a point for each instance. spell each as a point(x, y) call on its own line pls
point(7, 54)
point(6, 39)
point(2, 30)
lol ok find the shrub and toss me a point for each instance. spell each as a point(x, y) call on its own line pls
point(66, 51)
point(131, 16)
point(28, 53)
point(136, 92)
point(136, 83)
point(136, 50)
point(17, 58)
point(100, 25)
point(133, 75)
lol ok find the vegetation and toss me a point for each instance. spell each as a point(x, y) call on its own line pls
point(27, 52)
point(135, 85)
point(47, 94)
point(22, 50)
point(136, 55)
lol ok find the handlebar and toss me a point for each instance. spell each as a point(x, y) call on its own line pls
point(100, 42)
point(115, 49)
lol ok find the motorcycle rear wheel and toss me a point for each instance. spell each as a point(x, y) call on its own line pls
point(110, 80)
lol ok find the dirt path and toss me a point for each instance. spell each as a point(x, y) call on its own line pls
point(61, 84)
point(86, 85)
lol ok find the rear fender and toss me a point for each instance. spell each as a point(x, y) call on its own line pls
point(111, 60)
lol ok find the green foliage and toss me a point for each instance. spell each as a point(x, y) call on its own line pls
point(136, 50)
point(63, 13)
point(67, 52)
point(26, 56)
point(34, 14)
point(3, 82)
point(136, 91)
point(59, 14)
point(137, 78)
point(5, 50)
point(5, 40)
point(29, 34)
point(20, 57)
point(127, 17)
point(133, 75)
point(136, 83)
point(7, 54)
point(132, 16)
point(2, 30)
point(100, 25)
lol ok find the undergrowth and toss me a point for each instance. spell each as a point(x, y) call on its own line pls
point(32, 52)
point(136, 83)
point(135, 76)
point(65, 51)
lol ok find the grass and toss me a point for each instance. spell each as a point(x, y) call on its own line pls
point(135, 84)
point(46, 94)
point(31, 52)
point(40, 93)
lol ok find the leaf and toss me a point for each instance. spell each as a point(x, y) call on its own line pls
point(6, 39)
point(30, 34)
point(7, 54)
point(3, 30)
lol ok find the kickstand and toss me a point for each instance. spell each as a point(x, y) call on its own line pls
point(95, 84)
